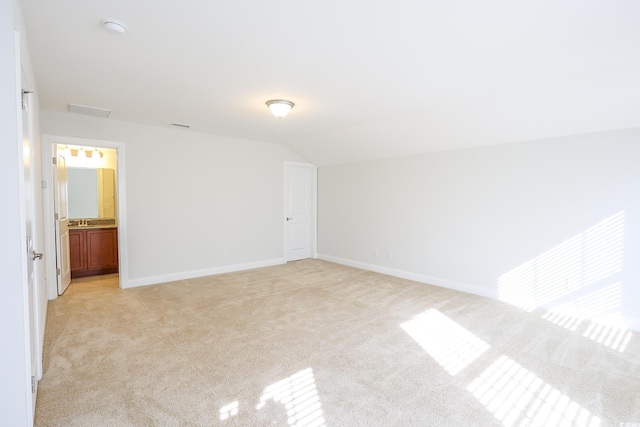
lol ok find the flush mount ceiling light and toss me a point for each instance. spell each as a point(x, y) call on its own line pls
point(280, 107)
point(114, 27)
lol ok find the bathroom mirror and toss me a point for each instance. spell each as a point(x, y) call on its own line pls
point(91, 193)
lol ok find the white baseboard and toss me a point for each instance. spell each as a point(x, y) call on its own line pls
point(430, 280)
point(153, 280)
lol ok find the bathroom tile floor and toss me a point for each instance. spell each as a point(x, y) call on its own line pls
point(82, 284)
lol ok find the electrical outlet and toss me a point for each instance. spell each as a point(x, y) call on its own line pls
point(226, 252)
point(375, 251)
point(390, 254)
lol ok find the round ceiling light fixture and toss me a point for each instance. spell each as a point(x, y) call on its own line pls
point(114, 27)
point(280, 107)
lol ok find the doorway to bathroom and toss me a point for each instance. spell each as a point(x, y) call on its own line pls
point(84, 196)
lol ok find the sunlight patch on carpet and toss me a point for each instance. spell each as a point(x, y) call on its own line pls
point(602, 308)
point(230, 410)
point(451, 345)
point(518, 397)
point(300, 398)
point(610, 336)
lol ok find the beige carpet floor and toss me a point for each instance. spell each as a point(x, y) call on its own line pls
point(312, 343)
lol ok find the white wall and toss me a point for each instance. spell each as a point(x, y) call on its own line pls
point(189, 196)
point(493, 220)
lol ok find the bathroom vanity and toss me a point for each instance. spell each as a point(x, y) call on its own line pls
point(93, 250)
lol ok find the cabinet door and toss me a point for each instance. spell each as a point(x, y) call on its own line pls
point(77, 250)
point(102, 248)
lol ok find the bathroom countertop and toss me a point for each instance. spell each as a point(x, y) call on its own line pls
point(90, 227)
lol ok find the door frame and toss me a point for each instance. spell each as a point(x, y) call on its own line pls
point(313, 194)
point(49, 206)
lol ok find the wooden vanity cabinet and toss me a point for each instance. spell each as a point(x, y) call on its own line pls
point(77, 251)
point(93, 251)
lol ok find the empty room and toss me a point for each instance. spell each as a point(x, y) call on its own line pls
point(320, 214)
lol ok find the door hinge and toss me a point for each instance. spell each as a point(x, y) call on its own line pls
point(24, 101)
point(55, 216)
point(57, 271)
point(33, 384)
point(55, 161)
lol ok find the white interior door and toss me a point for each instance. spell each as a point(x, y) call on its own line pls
point(31, 254)
point(298, 211)
point(63, 261)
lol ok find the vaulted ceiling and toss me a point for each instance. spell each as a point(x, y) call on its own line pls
point(370, 79)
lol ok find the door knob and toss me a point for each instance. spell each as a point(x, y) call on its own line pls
point(36, 255)
point(289, 219)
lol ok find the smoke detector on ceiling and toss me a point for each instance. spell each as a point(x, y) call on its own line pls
point(114, 27)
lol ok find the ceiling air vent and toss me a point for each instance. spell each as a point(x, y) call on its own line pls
point(90, 111)
point(181, 125)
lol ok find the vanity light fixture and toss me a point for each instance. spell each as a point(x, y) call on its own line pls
point(280, 107)
point(84, 153)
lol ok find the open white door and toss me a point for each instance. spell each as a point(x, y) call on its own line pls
point(298, 211)
point(63, 262)
point(31, 255)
